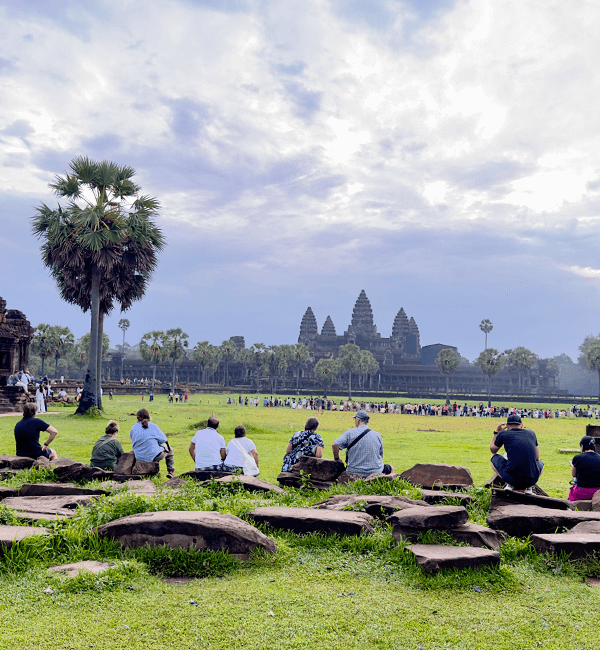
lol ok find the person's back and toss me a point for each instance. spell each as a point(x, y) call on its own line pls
point(146, 441)
point(107, 449)
point(208, 444)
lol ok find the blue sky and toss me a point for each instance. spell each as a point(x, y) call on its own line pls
point(440, 155)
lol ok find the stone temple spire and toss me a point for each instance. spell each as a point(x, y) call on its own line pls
point(362, 316)
point(308, 327)
point(401, 325)
point(328, 328)
point(412, 326)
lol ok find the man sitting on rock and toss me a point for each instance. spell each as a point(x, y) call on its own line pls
point(521, 467)
point(208, 448)
point(365, 448)
point(27, 435)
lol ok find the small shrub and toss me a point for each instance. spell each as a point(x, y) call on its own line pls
point(173, 562)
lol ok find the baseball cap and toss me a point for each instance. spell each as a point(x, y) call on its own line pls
point(514, 419)
point(361, 415)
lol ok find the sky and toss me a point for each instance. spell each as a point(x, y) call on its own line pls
point(441, 155)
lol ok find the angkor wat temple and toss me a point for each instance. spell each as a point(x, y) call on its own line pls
point(15, 337)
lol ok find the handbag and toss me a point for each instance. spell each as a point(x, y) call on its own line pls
point(250, 467)
point(364, 433)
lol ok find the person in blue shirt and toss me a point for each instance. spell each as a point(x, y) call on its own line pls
point(149, 443)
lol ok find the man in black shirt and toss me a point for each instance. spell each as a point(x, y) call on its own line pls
point(27, 435)
point(522, 467)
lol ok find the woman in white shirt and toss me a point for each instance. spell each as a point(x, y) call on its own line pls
point(235, 456)
point(40, 395)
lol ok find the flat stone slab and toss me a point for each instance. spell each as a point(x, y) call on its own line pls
point(205, 476)
point(320, 469)
point(291, 479)
point(472, 534)
point(438, 475)
point(522, 520)
point(250, 483)
point(49, 505)
point(308, 520)
point(8, 492)
point(71, 471)
point(173, 483)
point(57, 489)
point(575, 545)
point(437, 496)
point(596, 502)
point(16, 462)
point(502, 498)
point(585, 527)
point(11, 534)
point(375, 505)
point(73, 569)
point(348, 477)
point(583, 505)
point(142, 487)
point(188, 529)
point(430, 518)
point(128, 465)
point(433, 558)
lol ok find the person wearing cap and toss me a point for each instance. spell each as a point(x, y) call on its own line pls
point(365, 448)
point(521, 467)
point(585, 469)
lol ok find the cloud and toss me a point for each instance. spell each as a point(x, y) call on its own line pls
point(584, 272)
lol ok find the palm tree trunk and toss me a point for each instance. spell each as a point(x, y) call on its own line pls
point(43, 359)
point(173, 384)
point(489, 390)
point(350, 384)
point(99, 366)
point(154, 374)
point(56, 358)
point(90, 385)
point(297, 375)
point(447, 390)
point(598, 385)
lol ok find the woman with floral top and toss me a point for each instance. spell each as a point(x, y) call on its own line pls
point(303, 443)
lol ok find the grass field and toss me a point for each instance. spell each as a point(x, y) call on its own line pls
point(326, 592)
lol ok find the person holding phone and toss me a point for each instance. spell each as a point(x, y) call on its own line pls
point(585, 469)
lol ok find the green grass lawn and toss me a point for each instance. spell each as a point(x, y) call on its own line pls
point(326, 592)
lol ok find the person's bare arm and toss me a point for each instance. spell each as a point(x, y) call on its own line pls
point(288, 448)
point(537, 453)
point(573, 471)
point(52, 431)
point(336, 451)
point(223, 453)
point(318, 452)
point(254, 455)
point(193, 451)
point(493, 447)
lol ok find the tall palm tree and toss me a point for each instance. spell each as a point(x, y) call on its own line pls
point(349, 359)
point(152, 349)
point(448, 362)
point(105, 236)
point(486, 326)
point(491, 362)
point(124, 325)
point(175, 344)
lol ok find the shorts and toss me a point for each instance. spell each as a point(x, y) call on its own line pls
point(46, 453)
point(209, 468)
point(519, 482)
point(230, 468)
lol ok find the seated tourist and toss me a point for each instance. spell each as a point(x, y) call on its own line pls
point(585, 469)
point(27, 435)
point(62, 393)
point(23, 381)
point(108, 449)
point(207, 448)
point(149, 443)
point(303, 443)
point(235, 457)
point(522, 467)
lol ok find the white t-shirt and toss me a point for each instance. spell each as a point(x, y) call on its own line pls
point(234, 456)
point(208, 444)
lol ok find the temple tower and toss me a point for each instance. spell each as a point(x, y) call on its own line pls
point(413, 343)
point(328, 328)
point(401, 327)
point(308, 327)
point(362, 317)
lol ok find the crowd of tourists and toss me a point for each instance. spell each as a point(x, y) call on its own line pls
point(520, 467)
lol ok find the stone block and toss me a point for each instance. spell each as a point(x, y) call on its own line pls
point(502, 498)
point(380, 476)
point(289, 479)
point(204, 476)
point(437, 496)
point(16, 462)
point(8, 492)
point(250, 483)
point(73, 569)
point(433, 558)
point(125, 463)
point(11, 534)
point(583, 505)
point(375, 505)
point(320, 469)
point(74, 472)
point(348, 477)
point(174, 483)
point(438, 475)
point(308, 520)
point(48, 505)
point(574, 544)
point(430, 518)
point(57, 489)
point(596, 502)
point(521, 520)
point(142, 468)
point(472, 534)
point(208, 530)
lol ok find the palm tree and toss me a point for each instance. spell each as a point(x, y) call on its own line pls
point(592, 357)
point(300, 356)
point(228, 353)
point(367, 365)
point(349, 359)
point(175, 342)
point(448, 362)
point(325, 371)
point(97, 240)
point(486, 327)
point(201, 354)
point(43, 343)
point(64, 344)
point(124, 325)
point(520, 359)
point(491, 362)
point(152, 349)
